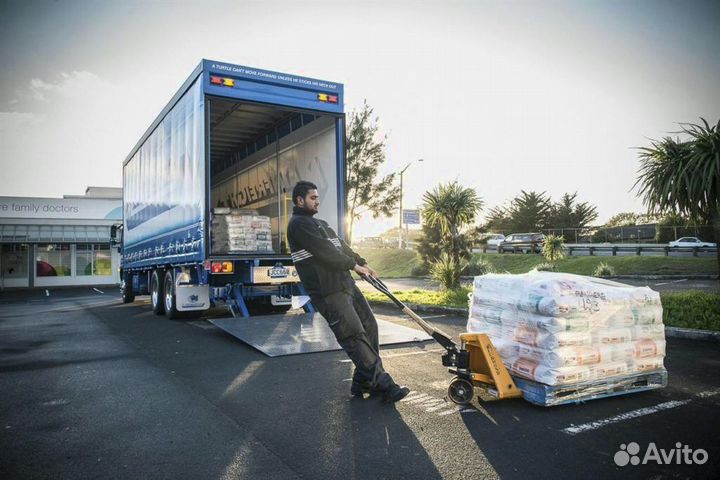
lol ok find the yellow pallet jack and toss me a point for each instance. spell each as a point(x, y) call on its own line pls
point(476, 363)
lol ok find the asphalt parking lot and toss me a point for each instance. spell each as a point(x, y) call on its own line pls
point(96, 389)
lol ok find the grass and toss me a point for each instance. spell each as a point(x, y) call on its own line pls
point(518, 263)
point(395, 263)
point(697, 310)
point(446, 298)
point(390, 262)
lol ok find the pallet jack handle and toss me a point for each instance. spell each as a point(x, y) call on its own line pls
point(441, 337)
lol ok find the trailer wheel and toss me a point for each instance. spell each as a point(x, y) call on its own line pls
point(460, 391)
point(170, 305)
point(156, 293)
point(128, 296)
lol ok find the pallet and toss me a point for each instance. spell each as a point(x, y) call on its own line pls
point(548, 395)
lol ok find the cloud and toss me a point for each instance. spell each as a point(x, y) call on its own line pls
point(58, 134)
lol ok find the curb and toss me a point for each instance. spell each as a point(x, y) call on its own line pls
point(674, 332)
point(426, 308)
point(640, 277)
point(665, 277)
point(690, 334)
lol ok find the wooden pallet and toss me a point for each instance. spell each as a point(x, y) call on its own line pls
point(547, 395)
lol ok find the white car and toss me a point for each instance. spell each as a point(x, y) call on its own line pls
point(690, 242)
point(494, 240)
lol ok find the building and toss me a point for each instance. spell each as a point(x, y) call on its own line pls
point(59, 241)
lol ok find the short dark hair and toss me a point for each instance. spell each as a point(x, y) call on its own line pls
point(301, 189)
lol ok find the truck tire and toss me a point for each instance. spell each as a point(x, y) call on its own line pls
point(156, 293)
point(169, 303)
point(128, 296)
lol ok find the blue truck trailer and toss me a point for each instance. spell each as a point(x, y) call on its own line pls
point(230, 144)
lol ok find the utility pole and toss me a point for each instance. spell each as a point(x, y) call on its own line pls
point(401, 198)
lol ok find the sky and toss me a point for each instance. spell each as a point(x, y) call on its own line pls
point(502, 96)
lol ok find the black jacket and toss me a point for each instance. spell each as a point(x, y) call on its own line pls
point(322, 259)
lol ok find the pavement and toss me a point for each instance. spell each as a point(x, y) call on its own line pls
point(93, 388)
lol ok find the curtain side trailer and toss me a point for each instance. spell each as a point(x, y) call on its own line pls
point(227, 150)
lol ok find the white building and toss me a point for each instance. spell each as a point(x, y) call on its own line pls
point(59, 241)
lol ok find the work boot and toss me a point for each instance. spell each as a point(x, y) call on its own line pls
point(359, 387)
point(395, 393)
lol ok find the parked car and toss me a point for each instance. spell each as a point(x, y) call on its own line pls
point(685, 242)
point(494, 240)
point(522, 242)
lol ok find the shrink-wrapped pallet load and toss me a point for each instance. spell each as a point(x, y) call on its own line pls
point(240, 231)
point(571, 338)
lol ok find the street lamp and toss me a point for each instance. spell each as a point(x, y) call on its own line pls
point(401, 209)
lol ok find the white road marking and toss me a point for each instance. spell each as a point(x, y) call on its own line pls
point(575, 429)
point(485, 412)
point(347, 379)
point(709, 393)
point(47, 292)
point(585, 427)
point(387, 437)
point(422, 397)
point(99, 291)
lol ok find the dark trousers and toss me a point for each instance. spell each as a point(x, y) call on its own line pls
point(356, 330)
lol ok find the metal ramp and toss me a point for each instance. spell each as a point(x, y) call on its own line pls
point(292, 334)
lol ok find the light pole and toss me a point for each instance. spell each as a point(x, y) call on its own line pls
point(401, 209)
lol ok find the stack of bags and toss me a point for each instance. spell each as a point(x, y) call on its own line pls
point(568, 330)
point(235, 231)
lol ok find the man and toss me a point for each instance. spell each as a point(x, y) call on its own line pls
point(323, 262)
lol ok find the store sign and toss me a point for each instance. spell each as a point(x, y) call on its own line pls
point(60, 208)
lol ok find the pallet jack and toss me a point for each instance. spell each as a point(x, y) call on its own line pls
point(475, 363)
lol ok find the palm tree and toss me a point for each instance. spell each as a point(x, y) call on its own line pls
point(451, 206)
point(684, 177)
point(553, 248)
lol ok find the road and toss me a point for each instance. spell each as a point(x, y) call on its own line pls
point(96, 389)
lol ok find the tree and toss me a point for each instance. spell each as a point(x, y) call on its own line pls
point(553, 248)
point(365, 192)
point(568, 213)
point(432, 243)
point(451, 207)
point(498, 220)
point(529, 211)
point(625, 219)
point(683, 177)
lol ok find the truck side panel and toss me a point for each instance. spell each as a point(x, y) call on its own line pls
point(164, 189)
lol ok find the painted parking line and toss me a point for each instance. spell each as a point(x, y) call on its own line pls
point(641, 412)
point(435, 405)
point(99, 291)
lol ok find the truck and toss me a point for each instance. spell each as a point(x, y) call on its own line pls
point(207, 189)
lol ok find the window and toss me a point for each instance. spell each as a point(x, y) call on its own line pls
point(14, 260)
point(83, 259)
point(102, 264)
point(53, 260)
point(93, 259)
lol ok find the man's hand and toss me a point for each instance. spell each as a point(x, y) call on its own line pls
point(362, 271)
point(373, 273)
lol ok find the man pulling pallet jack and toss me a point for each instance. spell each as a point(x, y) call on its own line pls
point(323, 261)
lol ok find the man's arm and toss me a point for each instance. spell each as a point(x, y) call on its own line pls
point(361, 262)
point(308, 237)
point(352, 253)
